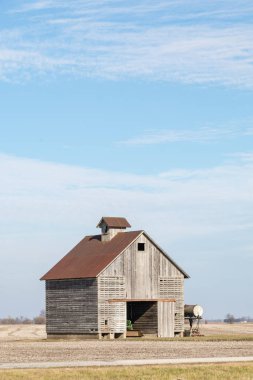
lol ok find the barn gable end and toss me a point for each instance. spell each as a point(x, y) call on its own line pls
point(148, 274)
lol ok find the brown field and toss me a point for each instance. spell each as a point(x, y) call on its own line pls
point(226, 329)
point(27, 344)
point(22, 332)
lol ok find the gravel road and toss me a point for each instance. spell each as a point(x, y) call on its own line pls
point(142, 362)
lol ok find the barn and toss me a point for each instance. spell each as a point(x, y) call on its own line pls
point(111, 279)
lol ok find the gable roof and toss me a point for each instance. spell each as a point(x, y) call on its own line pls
point(114, 222)
point(91, 256)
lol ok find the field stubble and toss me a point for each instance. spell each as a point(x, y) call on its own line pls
point(27, 343)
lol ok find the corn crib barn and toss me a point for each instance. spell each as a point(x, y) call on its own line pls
point(113, 279)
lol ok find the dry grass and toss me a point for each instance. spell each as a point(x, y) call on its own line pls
point(22, 332)
point(227, 329)
point(191, 372)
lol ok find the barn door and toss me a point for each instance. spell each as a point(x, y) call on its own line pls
point(166, 319)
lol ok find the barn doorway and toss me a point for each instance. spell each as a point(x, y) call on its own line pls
point(143, 316)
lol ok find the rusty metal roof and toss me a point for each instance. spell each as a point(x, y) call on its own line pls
point(114, 222)
point(89, 257)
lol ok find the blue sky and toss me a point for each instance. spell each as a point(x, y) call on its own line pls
point(138, 109)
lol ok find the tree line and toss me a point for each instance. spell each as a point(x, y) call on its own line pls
point(230, 318)
point(38, 320)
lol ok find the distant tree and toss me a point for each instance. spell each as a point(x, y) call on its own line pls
point(8, 321)
point(23, 320)
point(42, 313)
point(26, 321)
point(41, 319)
point(229, 318)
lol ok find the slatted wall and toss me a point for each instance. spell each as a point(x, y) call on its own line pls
point(111, 315)
point(71, 306)
point(173, 287)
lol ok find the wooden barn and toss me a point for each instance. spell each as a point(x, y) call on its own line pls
point(111, 278)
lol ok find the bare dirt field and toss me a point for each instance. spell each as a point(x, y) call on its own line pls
point(22, 332)
point(27, 343)
point(38, 332)
point(226, 328)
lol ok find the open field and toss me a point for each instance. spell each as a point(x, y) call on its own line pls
point(21, 332)
point(193, 372)
point(27, 344)
point(38, 332)
point(226, 329)
point(27, 352)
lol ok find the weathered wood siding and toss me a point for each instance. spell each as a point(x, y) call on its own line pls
point(173, 287)
point(111, 316)
point(71, 306)
point(166, 319)
point(143, 270)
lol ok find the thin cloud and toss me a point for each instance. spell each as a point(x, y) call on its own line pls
point(169, 41)
point(34, 192)
point(201, 135)
point(243, 156)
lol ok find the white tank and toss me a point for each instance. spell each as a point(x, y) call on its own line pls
point(193, 311)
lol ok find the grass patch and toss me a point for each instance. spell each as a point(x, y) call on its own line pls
point(242, 371)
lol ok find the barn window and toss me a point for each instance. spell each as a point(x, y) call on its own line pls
point(141, 246)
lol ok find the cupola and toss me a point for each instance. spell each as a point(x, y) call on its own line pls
point(110, 226)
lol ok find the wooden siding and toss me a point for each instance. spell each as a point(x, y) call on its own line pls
point(166, 319)
point(143, 271)
point(111, 316)
point(173, 287)
point(71, 306)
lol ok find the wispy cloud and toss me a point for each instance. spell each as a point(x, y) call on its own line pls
point(204, 134)
point(33, 191)
point(170, 41)
point(246, 157)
